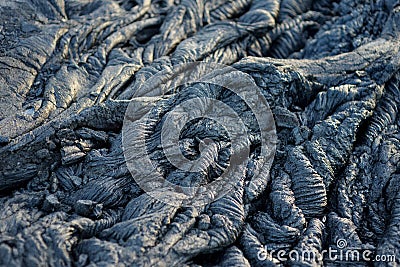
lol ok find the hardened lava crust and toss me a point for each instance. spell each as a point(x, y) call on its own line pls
point(302, 156)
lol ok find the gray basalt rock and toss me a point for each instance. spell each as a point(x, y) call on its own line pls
point(71, 69)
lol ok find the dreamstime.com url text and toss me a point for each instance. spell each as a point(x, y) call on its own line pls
point(341, 253)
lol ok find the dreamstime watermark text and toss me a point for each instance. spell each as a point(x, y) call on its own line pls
point(340, 253)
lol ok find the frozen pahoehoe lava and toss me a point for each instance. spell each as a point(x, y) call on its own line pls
point(71, 70)
point(190, 133)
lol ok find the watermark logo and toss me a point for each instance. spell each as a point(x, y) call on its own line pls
point(339, 253)
point(191, 132)
point(341, 243)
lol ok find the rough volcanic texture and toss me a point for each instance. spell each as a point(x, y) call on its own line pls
point(68, 68)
